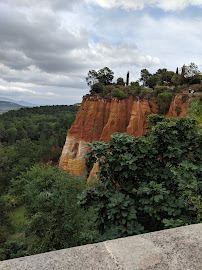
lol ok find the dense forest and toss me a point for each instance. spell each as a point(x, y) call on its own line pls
point(145, 183)
point(28, 136)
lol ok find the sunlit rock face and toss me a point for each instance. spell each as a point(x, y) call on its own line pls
point(98, 118)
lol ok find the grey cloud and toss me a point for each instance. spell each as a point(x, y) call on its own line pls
point(39, 41)
point(53, 4)
point(39, 50)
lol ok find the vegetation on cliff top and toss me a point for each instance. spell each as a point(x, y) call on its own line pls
point(149, 85)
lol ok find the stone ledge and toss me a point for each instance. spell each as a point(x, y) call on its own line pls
point(174, 249)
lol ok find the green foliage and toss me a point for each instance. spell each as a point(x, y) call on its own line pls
point(120, 81)
point(5, 227)
point(96, 88)
point(135, 84)
point(195, 111)
point(118, 93)
point(55, 220)
point(146, 93)
point(160, 89)
point(153, 119)
point(178, 110)
point(176, 79)
point(164, 75)
point(147, 183)
point(31, 135)
point(163, 101)
point(115, 212)
point(97, 79)
point(152, 81)
point(190, 74)
point(145, 74)
point(108, 89)
point(13, 249)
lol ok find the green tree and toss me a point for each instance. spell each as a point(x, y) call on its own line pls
point(92, 77)
point(147, 183)
point(144, 76)
point(105, 76)
point(163, 101)
point(120, 81)
point(152, 81)
point(192, 73)
point(5, 228)
point(55, 219)
point(118, 93)
point(176, 79)
point(164, 75)
point(99, 78)
point(97, 88)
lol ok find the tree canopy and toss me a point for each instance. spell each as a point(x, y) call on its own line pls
point(99, 78)
point(147, 183)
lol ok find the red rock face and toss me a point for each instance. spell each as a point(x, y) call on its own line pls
point(97, 119)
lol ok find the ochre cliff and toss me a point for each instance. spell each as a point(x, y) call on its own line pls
point(98, 118)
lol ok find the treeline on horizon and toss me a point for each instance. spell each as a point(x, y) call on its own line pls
point(148, 85)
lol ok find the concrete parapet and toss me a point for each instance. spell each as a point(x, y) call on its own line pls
point(174, 249)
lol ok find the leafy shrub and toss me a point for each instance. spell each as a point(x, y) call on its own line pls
point(163, 101)
point(160, 89)
point(96, 88)
point(153, 119)
point(145, 93)
point(107, 90)
point(147, 183)
point(118, 93)
point(55, 220)
point(195, 111)
point(13, 249)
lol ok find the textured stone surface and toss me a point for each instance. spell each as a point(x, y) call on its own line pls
point(85, 257)
point(174, 249)
point(97, 119)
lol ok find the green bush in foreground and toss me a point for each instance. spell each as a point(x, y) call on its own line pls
point(147, 183)
point(55, 220)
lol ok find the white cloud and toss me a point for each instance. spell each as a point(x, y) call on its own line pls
point(13, 90)
point(140, 4)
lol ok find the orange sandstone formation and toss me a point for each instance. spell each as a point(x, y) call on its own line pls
point(98, 118)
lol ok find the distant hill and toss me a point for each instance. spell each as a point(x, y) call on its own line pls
point(6, 106)
point(20, 102)
point(25, 104)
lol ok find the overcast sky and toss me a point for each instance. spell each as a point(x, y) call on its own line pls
point(47, 47)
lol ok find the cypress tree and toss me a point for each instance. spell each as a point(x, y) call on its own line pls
point(127, 79)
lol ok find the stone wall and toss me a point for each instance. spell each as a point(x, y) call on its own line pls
point(174, 249)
